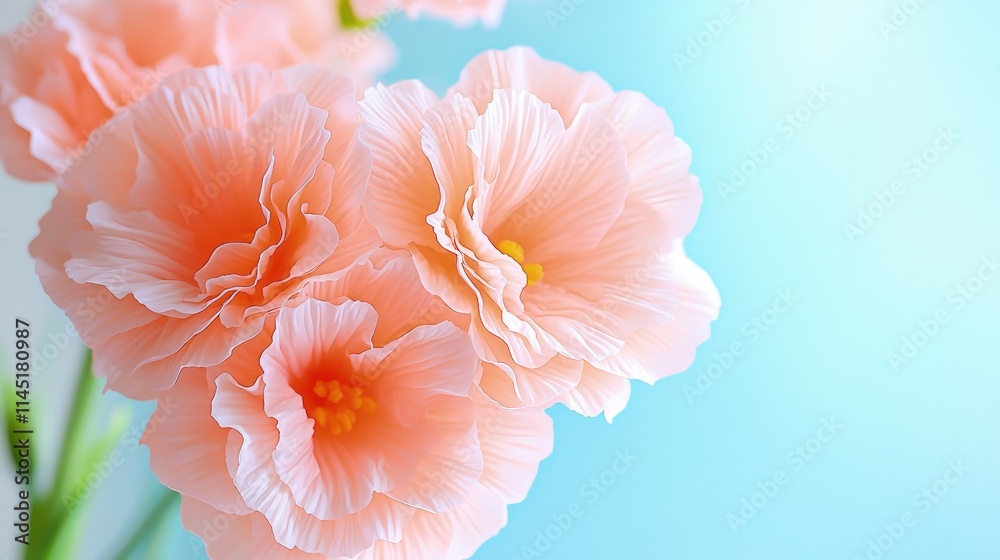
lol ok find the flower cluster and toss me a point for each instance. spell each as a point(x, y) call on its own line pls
point(73, 66)
point(358, 310)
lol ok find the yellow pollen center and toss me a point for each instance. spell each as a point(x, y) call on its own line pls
point(514, 250)
point(340, 407)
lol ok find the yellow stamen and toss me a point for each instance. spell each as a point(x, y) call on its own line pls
point(533, 271)
point(341, 403)
point(512, 250)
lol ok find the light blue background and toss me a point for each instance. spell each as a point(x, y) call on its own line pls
point(700, 456)
point(784, 229)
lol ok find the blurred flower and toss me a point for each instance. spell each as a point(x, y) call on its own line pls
point(347, 429)
point(280, 33)
point(459, 12)
point(86, 59)
point(551, 210)
point(210, 204)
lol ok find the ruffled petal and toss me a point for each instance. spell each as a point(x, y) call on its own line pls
point(402, 190)
point(521, 68)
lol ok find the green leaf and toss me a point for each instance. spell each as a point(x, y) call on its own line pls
point(65, 544)
point(49, 511)
point(10, 422)
point(349, 19)
point(100, 452)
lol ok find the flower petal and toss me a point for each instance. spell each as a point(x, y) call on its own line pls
point(521, 68)
point(402, 190)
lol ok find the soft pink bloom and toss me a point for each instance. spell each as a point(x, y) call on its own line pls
point(65, 75)
point(349, 428)
point(47, 106)
point(459, 12)
point(551, 210)
point(280, 33)
point(206, 206)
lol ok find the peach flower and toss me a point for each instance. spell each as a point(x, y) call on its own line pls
point(348, 428)
point(551, 210)
point(208, 205)
point(459, 12)
point(73, 64)
point(280, 33)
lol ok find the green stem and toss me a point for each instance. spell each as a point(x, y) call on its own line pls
point(75, 422)
point(153, 518)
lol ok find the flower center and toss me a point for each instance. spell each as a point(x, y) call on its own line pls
point(533, 271)
point(340, 405)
